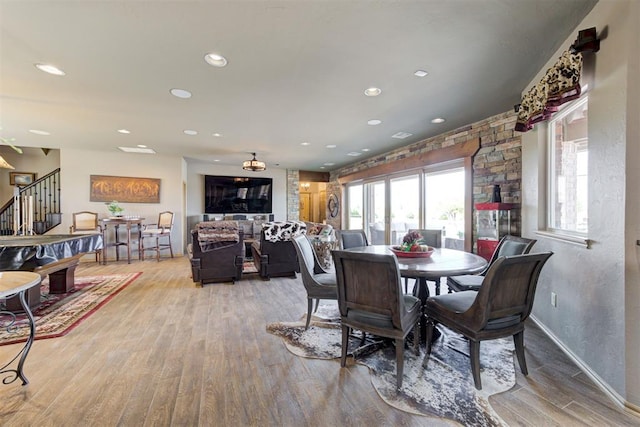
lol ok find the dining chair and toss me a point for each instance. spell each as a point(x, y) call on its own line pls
point(86, 222)
point(431, 237)
point(371, 300)
point(509, 245)
point(351, 238)
point(499, 309)
point(160, 230)
point(319, 283)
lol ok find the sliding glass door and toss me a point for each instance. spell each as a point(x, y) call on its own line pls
point(387, 208)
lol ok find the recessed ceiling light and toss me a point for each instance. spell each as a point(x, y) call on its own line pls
point(420, 73)
point(217, 135)
point(365, 150)
point(321, 167)
point(373, 91)
point(39, 132)
point(438, 120)
point(51, 69)
point(401, 135)
point(354, 154)
point(137, 150)
point(305, 143)
point(329, 164)
point(124, 131)
point(374, 122)
point(141, 146)
point(331, 146)
point(190, 132)
point(216, 160)
point(180, 93)
point(215, 59)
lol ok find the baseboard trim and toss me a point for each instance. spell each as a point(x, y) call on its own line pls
point(602, 385)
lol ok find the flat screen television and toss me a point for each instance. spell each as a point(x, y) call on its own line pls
point(237, 194)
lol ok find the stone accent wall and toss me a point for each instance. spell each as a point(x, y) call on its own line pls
point(498, 161)
point(293, 195)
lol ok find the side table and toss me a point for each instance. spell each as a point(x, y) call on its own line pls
point(11, 283)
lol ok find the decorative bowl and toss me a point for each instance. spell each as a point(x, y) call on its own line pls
point(404, 254)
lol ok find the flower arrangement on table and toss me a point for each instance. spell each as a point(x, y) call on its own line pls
point(114, 208)
point(411, 243)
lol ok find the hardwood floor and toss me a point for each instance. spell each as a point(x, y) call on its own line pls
point(166, 352)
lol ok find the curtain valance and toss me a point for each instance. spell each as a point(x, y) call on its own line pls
point(560, 84)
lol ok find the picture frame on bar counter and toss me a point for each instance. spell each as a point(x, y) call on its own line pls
point(21, 178)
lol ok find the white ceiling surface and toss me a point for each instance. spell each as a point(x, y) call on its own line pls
point(297, 72)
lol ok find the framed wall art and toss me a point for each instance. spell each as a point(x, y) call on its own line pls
point(124, 189)
point(21, 178)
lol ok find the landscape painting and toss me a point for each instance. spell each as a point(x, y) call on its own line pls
point(124, 189)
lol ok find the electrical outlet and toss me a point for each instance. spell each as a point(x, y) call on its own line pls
point(554, 299)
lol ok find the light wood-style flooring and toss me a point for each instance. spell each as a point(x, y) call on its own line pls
point(165, 352)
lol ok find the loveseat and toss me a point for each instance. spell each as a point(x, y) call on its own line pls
point(216, 252)
point(274, 254)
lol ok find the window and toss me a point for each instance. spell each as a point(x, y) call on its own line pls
point(568, 170)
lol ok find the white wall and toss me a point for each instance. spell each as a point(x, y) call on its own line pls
point(591, 317)
point(31, 160)
point(76, 166)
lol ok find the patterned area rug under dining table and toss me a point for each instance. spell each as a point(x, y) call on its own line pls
point(444, 388)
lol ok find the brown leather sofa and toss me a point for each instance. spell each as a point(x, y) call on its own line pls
point(216, 261)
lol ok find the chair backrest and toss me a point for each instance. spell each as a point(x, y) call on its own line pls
point(508, 246)
point(85, 221)
point(352, 238)
point(508, 290)
point(307, 258)
point(369, 288)
point(165, 219)
point(431, 237)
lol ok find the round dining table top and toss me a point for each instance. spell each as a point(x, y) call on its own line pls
point(12, 282)
point(442, 262)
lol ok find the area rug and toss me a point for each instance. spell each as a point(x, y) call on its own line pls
point(443, 389)
point(248, 267)
point(58, 314)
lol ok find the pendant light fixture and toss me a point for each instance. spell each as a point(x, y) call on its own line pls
point(253, 164)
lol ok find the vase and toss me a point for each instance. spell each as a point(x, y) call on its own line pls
point(495, 196)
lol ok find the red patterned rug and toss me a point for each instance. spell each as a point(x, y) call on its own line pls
point(58, 314)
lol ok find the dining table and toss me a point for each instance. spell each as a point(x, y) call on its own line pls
point(441, 262)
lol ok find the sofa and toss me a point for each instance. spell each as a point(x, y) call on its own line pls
point(273, 253)
point(216, 252)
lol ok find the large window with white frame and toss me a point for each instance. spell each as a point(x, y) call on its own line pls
point(568, 172)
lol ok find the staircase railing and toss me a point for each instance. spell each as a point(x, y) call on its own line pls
point(45, 193)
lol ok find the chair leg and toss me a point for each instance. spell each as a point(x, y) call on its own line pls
point(309, 307)
point(170, 248)
point(317, 304)
point(474, 355)
point(406, 285)
point(438, 286)
point(399, 362)
point(157, 248)
point(518, 340)
point(429, 337)
point(345, 343)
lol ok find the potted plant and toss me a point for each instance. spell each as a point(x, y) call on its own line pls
point(114, 208)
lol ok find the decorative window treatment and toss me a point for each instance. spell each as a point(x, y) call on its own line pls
point(560, 84)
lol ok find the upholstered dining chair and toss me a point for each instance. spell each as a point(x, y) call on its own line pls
point(431, 237)
point(371, 300)
point(499, 309)
point(351, 238)
point(319, 283)
point(86, 222)
point(160, 230)
point(508, 245)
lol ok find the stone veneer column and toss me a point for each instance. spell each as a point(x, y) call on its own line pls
point(293, 195)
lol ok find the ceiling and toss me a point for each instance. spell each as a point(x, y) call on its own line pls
point(296, 73)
